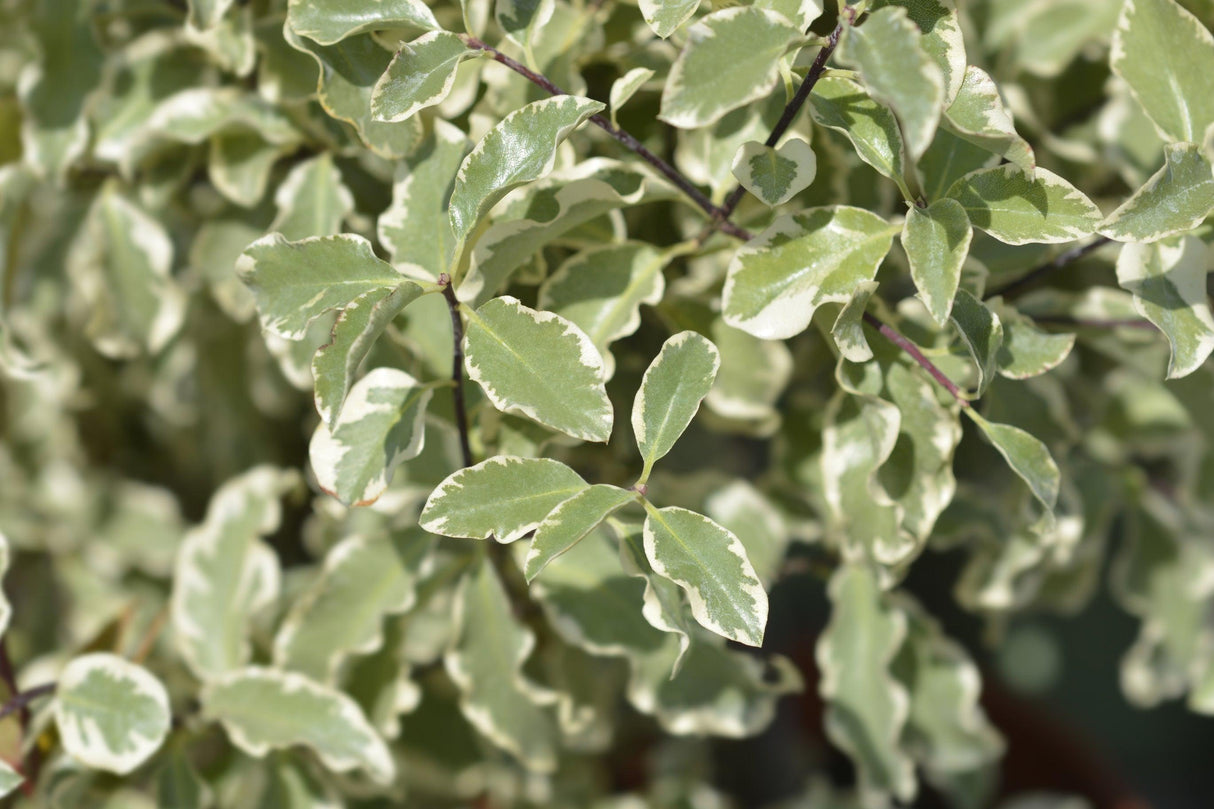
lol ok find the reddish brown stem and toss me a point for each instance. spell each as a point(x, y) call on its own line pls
point(889, 333)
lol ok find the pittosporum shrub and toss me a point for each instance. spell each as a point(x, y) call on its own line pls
point(415, 403)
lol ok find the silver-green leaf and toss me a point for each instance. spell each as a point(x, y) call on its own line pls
point(775, 175)
point(1017, 208)
point(841, 104)
point(420, 75)
point(329, 21)
point(937, 240)
point(670, 394)
point(1176, 198)
point(1027, 456)
point(571, 521)
point(665, 16)
point(978, 115)
point(982, 334)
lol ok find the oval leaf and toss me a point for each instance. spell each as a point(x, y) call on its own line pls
point(1174, 200)
point(937, 240)
point(380, 425)
point(982, 334)
point(420, 75)
point(539, 365)
point(111, 714)
point(843, 105)
point(665, 16)
point(572, 520)
point(1018, 209)
point(330, 21)
point(521, 148)
point(777, 279)
point(978, 116)
point(503, 497)
point(709, 563)
point(1028, 458)
point(263, 710)
point(670, 394)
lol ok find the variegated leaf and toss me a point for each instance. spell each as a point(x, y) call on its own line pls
point(330, 21)
point(675, 383)
point(1018, 209)
point(775, 175)
point(538, 365)
point(665, 16)
point(1027, 456)
point(420, 75)
point(625, 87)
point(312, 200)
point(979, 116)
point(265, 709)
point(570, 522)
point(843, 105)
point(848, 331)
point(503, 498)
point(1176, 199)
point(937, 241)
point(1028, 351)
point(982, 334)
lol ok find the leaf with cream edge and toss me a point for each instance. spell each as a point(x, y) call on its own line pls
point(485, 662)
point(330, 21)
point(265, 709)
point(519, 149)
point(364, 579)
point(799, 12)
point(777, 279)
point(6, 608)
point(296, 282)
point(1168, 281)
point(538, 365)
point(674, 384)
point(10, 779)
point(709, 563)
point(978, 116)
point(754, 374)
point(601, 290)
point(848, 330)
point(121, 267)
point(520, 19)
point(981, 333)
point(1176, 199)
point(775, 175)
point(312, 200)
point(942, 37)
point(843, 105)
point(379, 426)
point(937, 240)
point(570, 522)
point(750, 40)
point(665, 16)
point(866, 708)
point(888, 51)
point(1166, 56)
point(1027, 351)
point(625, 87)
point(1018, 209)
point(415, 228)
point(1028, 458)
point(661, 603)
point(353, 336)
point(503, 497)
point(111, 714)
point(420, 75)
point(225, 573)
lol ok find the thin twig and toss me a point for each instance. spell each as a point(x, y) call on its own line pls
point(20, 700)
point(457, 368)
point(790, 112)
point(668, 171)
point(889, 333)
point(1056, 263)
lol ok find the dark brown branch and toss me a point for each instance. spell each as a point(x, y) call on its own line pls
point(20, 700)
point(790, 112)
point(457, 369)
point(889, 333)
point(1056, 263)
point(668, 171)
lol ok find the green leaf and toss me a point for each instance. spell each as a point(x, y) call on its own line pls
point(982, 334)
point(601, 290)
point(346, 76)
point(312, 200)
point(178, 784)
point(330, 21)
point(947, 160)
point(754, 374)
point(379, 426)
point(342, 613)
point(710, 564)
point(740, 507)
point(6, 608)
point(1176, 199)
point(1168, 281)
point(1028, 458)
point(867, 708)
point(265, 709)
point(520, 19)
point(207, 13)
point(10, 779)
point(775, 175)
point(354, 334)
point(1028, 351)
point(625, 87)
point(1165, 54)
point(665, 16)
point(485, 663)
point(420, 75)
point(415, 228)
point(120, 265)
point(296, 282)
point(942, 39)
point(777, 279)
point(750, 41)
point(888, 51)
point(977, 115)
point(798, 12)
point(1018, 209)
point(519, 149)
point(538, 365)
point(503, 498)
point(848, 331)
point(240, 165)
point(937, 240)
point(843, 105)
point(568, 523)
point(111, 714)
point(675, 383)
point(225, 573)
